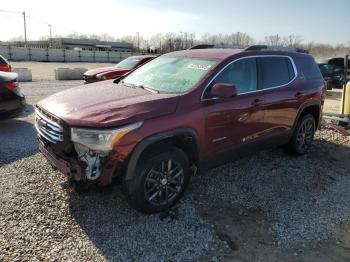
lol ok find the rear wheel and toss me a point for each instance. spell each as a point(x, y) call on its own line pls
point(303, 136)
point(159, 182)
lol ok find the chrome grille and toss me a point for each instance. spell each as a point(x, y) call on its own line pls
point(47, 127)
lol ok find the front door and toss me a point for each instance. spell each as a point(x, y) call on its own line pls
point(234, 121)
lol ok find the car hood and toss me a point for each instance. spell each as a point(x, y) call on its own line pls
point(97, 71)
point(106, 104)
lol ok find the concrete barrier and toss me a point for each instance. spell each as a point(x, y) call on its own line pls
point(14, 53)
point(24, 74)
point(69, 74)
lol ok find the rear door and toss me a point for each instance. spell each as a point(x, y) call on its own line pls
point(279, 83)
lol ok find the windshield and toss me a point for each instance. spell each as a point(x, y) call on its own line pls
point(128, 63)
point(326, 69)
point(170, 74)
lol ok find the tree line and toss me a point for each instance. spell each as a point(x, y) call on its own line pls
point(163, 43)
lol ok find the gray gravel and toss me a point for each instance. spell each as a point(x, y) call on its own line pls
point(303, 198)
point(42, 219)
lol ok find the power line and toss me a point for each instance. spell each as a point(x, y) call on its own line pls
point(52, 25)
point(41, 21)
point(10, 11)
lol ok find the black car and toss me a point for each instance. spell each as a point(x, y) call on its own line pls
point(332, 74)
point(11, 98)
point(333, 71)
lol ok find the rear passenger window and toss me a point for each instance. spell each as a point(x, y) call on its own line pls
point(276, 71)
point(242, 74)
point(309, 68)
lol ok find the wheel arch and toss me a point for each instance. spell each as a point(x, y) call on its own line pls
point(183, 138)
point(313, 108)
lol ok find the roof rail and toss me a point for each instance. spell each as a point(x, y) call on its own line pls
point(219, 46)
point(275, 48)
point(201, 46)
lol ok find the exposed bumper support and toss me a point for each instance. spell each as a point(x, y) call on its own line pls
point(70, 169)
point(75, 170)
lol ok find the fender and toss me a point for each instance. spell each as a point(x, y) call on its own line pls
point(140, 147)
point(304, 106)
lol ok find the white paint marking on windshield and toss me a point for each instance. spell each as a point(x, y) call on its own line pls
point(199, 67)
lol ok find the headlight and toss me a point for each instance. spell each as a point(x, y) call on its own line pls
point(99, 139)
point(101, 78)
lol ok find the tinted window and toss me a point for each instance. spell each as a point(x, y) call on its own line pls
point(309, 68)
point(243, 74)
point(275, 71)
point(129, 62)
point(326, 70)
point(290, 69)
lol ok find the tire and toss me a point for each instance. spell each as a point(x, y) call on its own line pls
point(303, 136)
point(159, 181)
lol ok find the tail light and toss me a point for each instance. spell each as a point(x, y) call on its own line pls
point(12, 86)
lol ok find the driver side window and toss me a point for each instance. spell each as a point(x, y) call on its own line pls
point(242, 74)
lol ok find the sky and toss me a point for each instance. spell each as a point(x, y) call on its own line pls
point(323, 21)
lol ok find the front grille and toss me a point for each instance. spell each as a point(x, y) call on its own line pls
point(48, 127)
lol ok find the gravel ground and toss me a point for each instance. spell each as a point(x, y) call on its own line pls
point(333, 101)
point(303, 198)
point(299, 200)
point(42, 219)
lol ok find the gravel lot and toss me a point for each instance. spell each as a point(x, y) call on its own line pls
point(333, 101)
point(266, 207)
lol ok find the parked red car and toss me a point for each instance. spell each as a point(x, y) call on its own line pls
point(4, 65)
point(125, 66)
point(182, 112)
point(12, 101)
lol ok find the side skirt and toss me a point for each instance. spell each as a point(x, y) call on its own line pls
point(243, 150)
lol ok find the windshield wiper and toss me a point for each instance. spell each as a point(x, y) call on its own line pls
point(148, 89)
point(140, 86)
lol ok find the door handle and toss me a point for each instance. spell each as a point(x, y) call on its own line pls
point(299, 94)
point(257, 102)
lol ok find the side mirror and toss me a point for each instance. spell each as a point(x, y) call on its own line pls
point(222, 90)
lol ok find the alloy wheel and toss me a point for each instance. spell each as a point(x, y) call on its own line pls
point(305, 135)
point(164, 182)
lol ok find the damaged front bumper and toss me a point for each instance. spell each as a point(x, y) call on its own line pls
point(70, 168)
point(77, 170)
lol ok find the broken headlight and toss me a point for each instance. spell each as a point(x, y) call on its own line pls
point(100, 139)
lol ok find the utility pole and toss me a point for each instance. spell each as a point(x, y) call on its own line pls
point(25, 28)
point(182, 39)
point(160, 44)
point(138, 42)
point(50, 36)
point(345, 104)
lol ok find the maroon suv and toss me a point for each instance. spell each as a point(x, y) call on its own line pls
point(182, 112)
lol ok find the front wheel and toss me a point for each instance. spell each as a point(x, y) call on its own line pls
point(159, 181)
point(303, 136)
